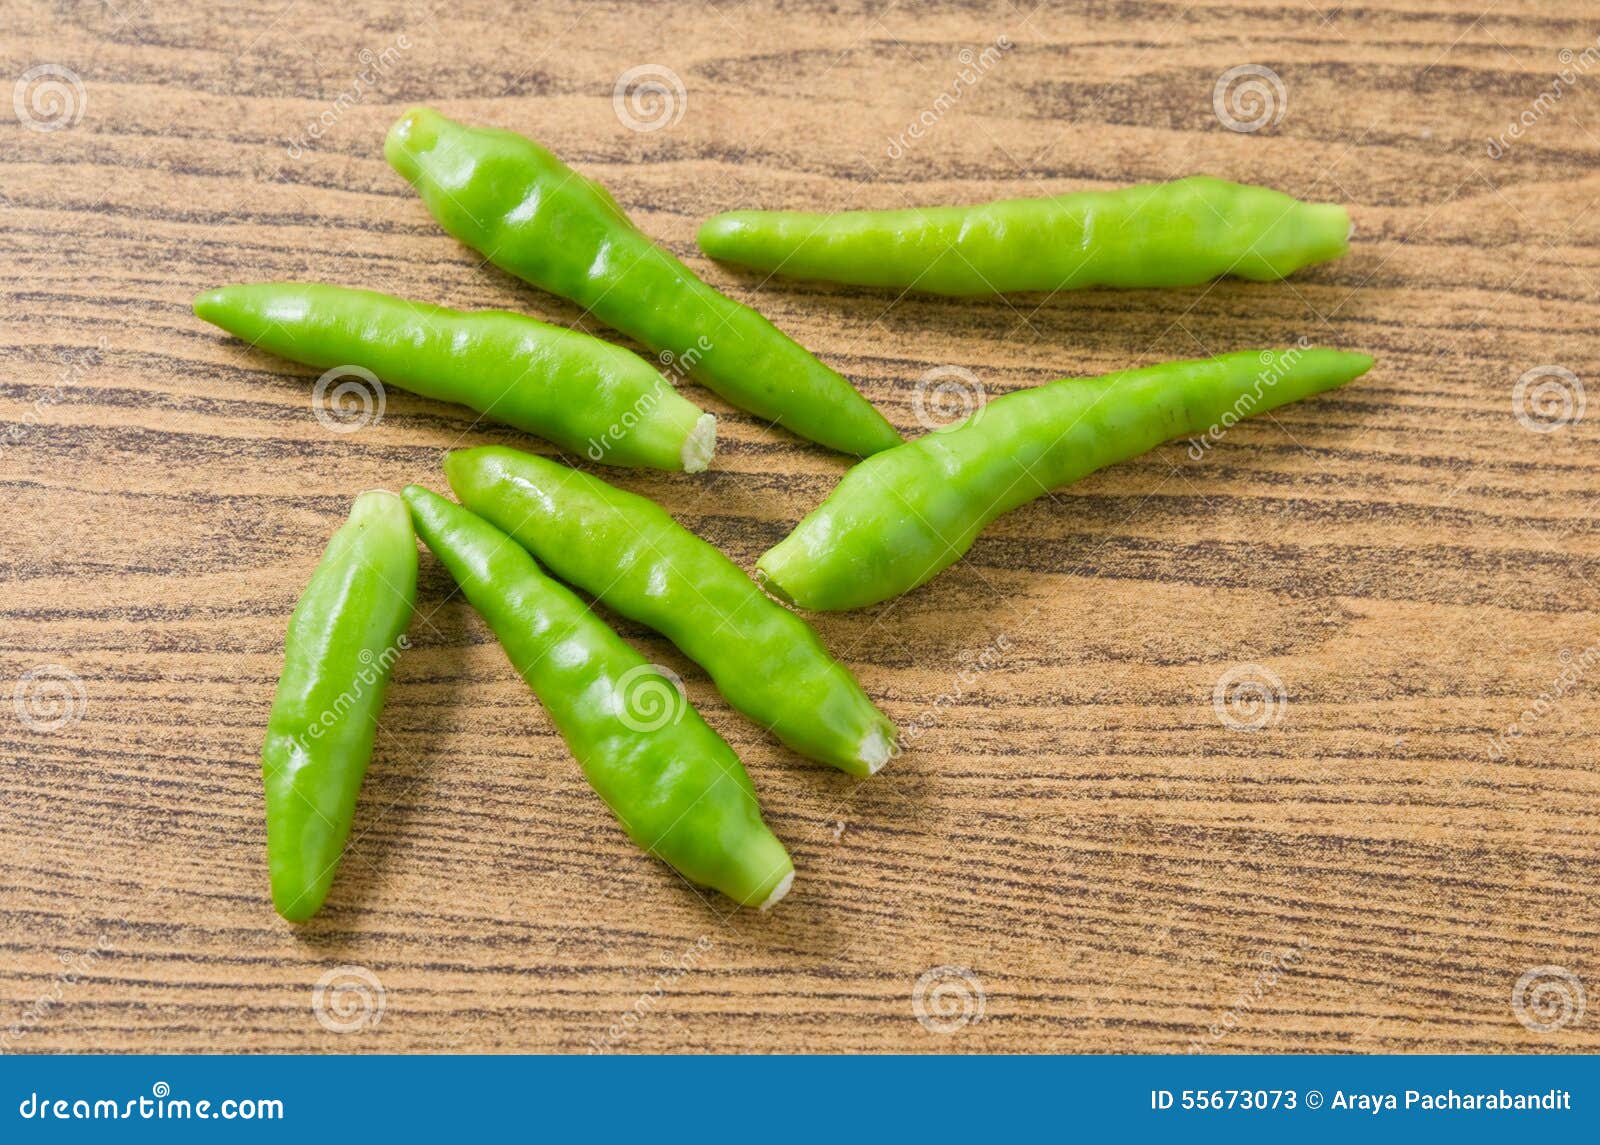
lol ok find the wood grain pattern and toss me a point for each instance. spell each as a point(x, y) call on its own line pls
point(1075, 825)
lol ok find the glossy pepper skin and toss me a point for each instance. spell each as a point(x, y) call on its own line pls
point(531, 215)
point(579, 392)
point(1160, 234)
point(897, 519)
point(344, 637)
point(677, 788)
point(632, 556)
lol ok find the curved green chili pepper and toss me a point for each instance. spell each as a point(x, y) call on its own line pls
point(532, 215)
point(577, 391)
point(630, 553)
point(897, 519)
point(344, 637)
point(678, 789)
point(1160, 234)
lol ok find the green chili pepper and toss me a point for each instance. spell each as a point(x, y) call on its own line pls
point(577, 391)
point(678, 789)
point(532, 215)
point(344, 637)
point(630, 553)
point(900, 517)
point(1161, 234)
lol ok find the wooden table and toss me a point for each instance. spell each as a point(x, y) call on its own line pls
point(1088, 847)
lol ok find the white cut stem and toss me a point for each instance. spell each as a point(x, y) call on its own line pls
point(778, 892)
point(700, 444)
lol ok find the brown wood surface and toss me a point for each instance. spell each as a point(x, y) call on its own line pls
point(1076, 827)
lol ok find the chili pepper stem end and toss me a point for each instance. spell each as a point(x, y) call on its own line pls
point(876, 750)
point(700, 444)
point(770, 583)
point(412, 134)
point(777, 892)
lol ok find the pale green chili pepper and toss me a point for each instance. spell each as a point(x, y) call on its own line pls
point(344, 637)
point(677, 788)
point(629, 552)
point(900, 517)
point(577, 391)
point(532, 215)
point(1160, 234)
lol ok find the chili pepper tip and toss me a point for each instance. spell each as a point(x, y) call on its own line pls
point(208, 303)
